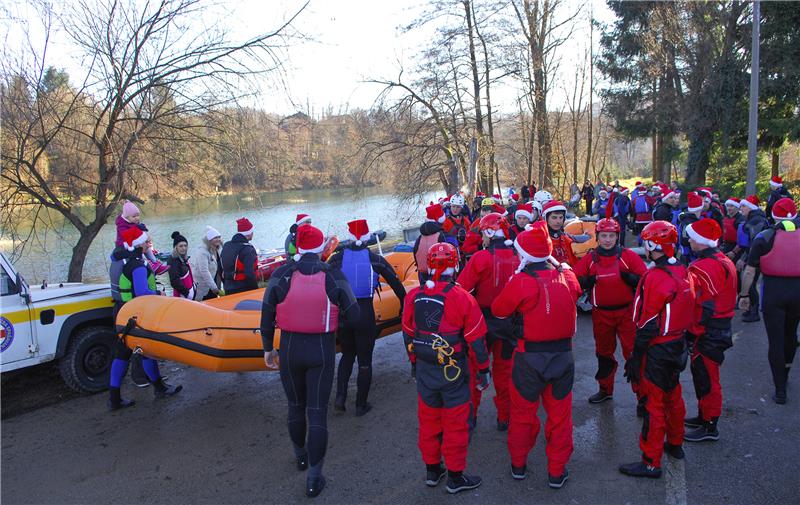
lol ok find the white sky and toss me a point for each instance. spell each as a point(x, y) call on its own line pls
point(353, 40)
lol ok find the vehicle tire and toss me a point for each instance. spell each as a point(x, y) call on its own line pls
point(86, 365)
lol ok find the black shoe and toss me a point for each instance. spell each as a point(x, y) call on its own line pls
point(462, 483)
point(163, 390)
point(706, 433)
point(558, 482)
point(751, 317)
point(338, 403)
point(780, 396)
point(639, 469)
point(315, 486)
point(600, 397)
point(302, 462)
point(693, 422)
point(518, 472)
point(434, 477)
point(122, 404)
point(675, 451)
point(138, 376)
point(363, 409)
point(502, 425)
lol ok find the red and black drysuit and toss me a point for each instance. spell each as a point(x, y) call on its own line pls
point(485, 275)
point(542, 301)
point(438, 321)
point(715, 282)
point(611, 276)
point(663, 312)
point(562, 247)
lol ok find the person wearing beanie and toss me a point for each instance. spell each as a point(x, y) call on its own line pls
point(306, 298)
point(541, 299)
point(289, 244)
point(777, 191)
point(754, 222)
point(730, 224)
point(362, 268)
point(715, 281)
point(441, 324)
point(180, 272)
point(773, 254)
point(663, 312)
point(484, 276)
point(430, 232)
point(240, 260)
point(610, 274)
point(205, 264)
point(136, 278)
point(554, 214)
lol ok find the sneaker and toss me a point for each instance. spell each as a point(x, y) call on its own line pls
point(502, 425)
point(518, 472)
point(674, 451)
point(434, 477)
point(122, 404)
point(338, 403)
point(462, 483)
point(557, 482)
point(639, 469)
point(315, 486)
point(600, 397)
point(693, 422)
point(363, 409)
point(706, 433)
point(780, 396)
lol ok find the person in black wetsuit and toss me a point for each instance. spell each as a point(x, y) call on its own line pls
point(774, 253)
point(361, 267)
point(305, 298)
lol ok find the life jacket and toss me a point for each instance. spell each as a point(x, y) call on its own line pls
point(554, 316)
point(781, 260)
point(433, 331)
point(307, 308)
point(729, 231)
point(187, 280)
point(504, 265)
point(742, 237)
point(676, 214)
point(357, 267)
point(421, 256)
point(716, 279)
point(601, 207)
point(238, 269)
point(642, 209)
point(114, 274)
point(458, 230)
point(562, 247)
point(126, 289)
point(609, 290)
point(677, 315)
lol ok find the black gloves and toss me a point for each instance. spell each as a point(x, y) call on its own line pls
point(633, 369)
point(484, 379)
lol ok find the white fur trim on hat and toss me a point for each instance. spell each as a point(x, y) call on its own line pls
point(775, 184)
point(524, 213)
point(733, 202)
point(360, 240)
point(699, 238)
point(316, 250)
point(554, 208)
point(694, 209)
point(750, 205)
point(670, 195)
point(140, 240)
point(248, 232)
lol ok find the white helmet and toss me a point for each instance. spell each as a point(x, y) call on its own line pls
point(457, 200)
point(542, 197)
point(537, 207)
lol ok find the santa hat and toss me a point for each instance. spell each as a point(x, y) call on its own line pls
point(309, 240)
point(497, 197)
point(133, 237)
point(359, 230)
point(623, 190)
point(776, 182)
point(751, 202)
point(515, 197)
point(526, 210)
point(695, 202)
point(733, 201)
point(706, 193)
point(499, 209)
point(664, 188)
point(705, 231)
point(435, 213)
point(480, 194)
point(670, 194)
point(784, 209)
point(553, 206)
point(640, 187)
point(533, 246)
point(603, 191)
point(637, 184)
point(129, 209)
point(244, 226)
point(302, 218)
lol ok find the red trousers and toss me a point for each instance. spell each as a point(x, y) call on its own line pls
point(444, 432)
point(608, 325)
point(501, 376)
point(705, 375)
point(664, 416)
point(524, 428)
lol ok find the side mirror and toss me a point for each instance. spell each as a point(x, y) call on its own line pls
point(22, 288)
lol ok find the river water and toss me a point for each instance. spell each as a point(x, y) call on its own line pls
point(271, 213)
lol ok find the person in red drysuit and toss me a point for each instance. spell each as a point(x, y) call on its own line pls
point(554, 213)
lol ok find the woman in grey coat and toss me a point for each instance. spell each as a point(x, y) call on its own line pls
point(206, 265)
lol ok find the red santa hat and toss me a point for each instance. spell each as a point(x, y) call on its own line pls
point(499, 209)
point(623, 191)
point(533, 246)
point(435, 213)
point(497, 196)
point(776, 182)
point(751, 202)
point(553, 206)
point(733, 201)
point(695, 202)
point(637, 184)
point(664, 188)
point(244, 226)
point(515, 197)
point(784, 209)
point(526, 210)
point(480, 194)
point(706, 193)
point(133, 237)
point(309, 240)
point(359, 230)
point(705, 231)
point(670, 194)
point(302, 218)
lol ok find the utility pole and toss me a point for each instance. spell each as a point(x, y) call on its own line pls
point(752, 135)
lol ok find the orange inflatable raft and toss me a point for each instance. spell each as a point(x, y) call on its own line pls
point(578, 227)
point(221, 335)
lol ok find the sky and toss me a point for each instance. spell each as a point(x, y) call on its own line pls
point(347, 42)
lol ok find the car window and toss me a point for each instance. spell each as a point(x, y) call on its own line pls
point(7, 285)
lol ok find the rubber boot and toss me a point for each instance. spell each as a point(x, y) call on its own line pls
point(162, 389)
point(315, 482)
point(115, 401)
point(302, 458)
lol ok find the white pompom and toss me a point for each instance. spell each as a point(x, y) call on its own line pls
point(508, 242)
point(296, 257)
point(358, 242)
point(528, 227)
point(672, 261)
point(429, 284)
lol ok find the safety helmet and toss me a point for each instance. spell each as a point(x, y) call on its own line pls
point(660, 235)
point(606, 224)
point(457, 200)
point(542, 197)
point(537, 206)
point(493, 221)
point(487, 202)
point(442, 256)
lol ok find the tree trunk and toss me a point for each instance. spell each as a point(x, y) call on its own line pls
point(591, 91)
point(775, 162)
point(485, 175)
point(655, 162)
point(699, 156)
point(79, 252)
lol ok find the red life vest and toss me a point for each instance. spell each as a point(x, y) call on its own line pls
point(677, 314)
point(781, 260)
point(306, 308)
point(562, 248)
point(553, 317)
point(609, 289)
point(421, 256)
point(499, 265)
point(188, 282)
point(238, 269)
point(729, 229)
point(716, 281)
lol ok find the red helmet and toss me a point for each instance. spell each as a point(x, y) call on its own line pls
point(660, 233)
point(606, 224)
point(493, 221)
point(442, 256)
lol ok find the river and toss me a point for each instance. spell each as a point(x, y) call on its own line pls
point(271, 213)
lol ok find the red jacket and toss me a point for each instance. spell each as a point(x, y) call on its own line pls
point(562, 248)
point(612, 276)
point(545, 298)
point(461, 314)
point(716, 284)
point(474, 241)
point(488, 271)
point(452, 224)
point(664, 303)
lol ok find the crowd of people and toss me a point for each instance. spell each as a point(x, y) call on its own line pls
point(497, 303)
